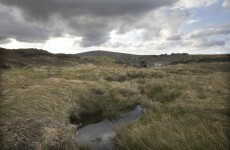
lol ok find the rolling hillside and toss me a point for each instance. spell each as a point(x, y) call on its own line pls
point(34, 57)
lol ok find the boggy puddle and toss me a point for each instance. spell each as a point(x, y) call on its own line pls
point(98, 136)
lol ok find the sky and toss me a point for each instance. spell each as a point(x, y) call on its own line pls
point(130, 26)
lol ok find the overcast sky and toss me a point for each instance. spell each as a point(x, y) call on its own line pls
point(130, 26)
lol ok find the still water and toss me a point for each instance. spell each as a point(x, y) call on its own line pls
point(98, 136)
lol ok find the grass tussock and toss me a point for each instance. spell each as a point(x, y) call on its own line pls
point(187, 106)
point(165, 131)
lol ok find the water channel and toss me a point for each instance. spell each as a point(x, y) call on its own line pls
point(99, 136)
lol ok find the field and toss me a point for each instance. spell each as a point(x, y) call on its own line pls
point(187, 105)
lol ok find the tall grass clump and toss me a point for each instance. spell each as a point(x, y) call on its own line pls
point(185, 111)
point(100, 102)
point(165, 131)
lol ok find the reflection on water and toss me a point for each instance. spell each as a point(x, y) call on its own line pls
point(99, 135)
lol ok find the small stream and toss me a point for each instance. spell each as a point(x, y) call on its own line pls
point(98, 136)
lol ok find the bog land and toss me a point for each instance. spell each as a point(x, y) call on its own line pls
point(46, 98)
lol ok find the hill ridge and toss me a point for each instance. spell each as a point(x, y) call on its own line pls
point(103, 53)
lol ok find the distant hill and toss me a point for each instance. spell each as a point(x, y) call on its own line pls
point(34, 57)
point(156, 60)
point(103, 53)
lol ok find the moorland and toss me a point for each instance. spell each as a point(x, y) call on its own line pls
point(46, 98)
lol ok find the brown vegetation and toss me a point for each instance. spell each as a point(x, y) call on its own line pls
point(187, 105)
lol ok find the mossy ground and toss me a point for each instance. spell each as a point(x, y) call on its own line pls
point(187, 105)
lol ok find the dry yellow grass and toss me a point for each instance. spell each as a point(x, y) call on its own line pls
point(187, 105)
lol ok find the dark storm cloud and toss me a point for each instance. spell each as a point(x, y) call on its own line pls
point(210, 43)
point(10, 27)
point(81, 16)
point(93, 30)
point(4, 40)
point(43, 9)
point(212, 31)
point(174, 38)
point(93, 40)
